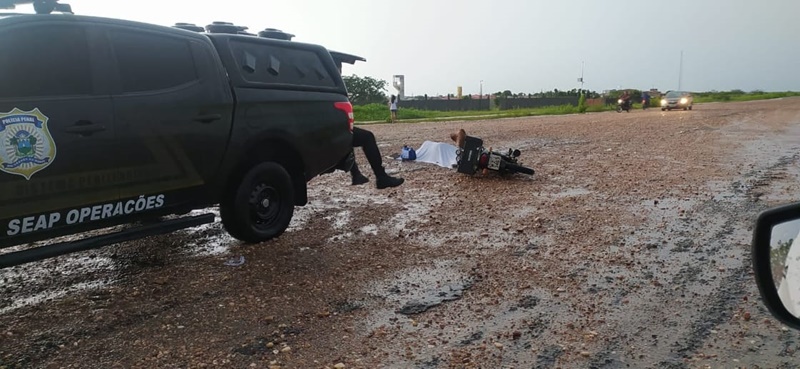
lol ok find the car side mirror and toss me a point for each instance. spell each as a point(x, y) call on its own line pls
point(776, 262)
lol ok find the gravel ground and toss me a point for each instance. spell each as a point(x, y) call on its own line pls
point(629, 247)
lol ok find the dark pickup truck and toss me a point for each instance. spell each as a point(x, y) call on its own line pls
point(106, 122)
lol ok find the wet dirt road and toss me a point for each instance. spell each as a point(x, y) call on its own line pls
point(628, 248)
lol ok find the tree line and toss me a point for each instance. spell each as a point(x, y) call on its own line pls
point(368, 90)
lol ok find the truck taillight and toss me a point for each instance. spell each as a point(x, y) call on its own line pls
point(483, 161)
point(347, 107)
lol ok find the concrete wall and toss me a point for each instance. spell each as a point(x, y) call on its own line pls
point(446, 105)
point(536, 102)
point(475, 104)
point(593, 102)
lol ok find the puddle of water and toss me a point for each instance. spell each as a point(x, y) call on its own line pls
point(414, 286)
point(518, 328)
point(340, 220)
point(666, 207)
point(413, 212)
point(54, 294)
point(477, 240)
point(340, 237)
point(208, 239)
point(212, 245)
point(783, 186)
point(321, 201)
point(435, 297)
point(572, 192)
point(723, 192)
point(66, 265)
point(370, 229)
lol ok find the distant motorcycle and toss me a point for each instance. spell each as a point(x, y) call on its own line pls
point(624, 105)
point(473, 157)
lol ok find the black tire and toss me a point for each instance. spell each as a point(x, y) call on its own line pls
point(619, 109)
point(245, 215)
point(690, 107)
point(514, 168)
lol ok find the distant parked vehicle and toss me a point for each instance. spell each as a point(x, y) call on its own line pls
point(677, 100)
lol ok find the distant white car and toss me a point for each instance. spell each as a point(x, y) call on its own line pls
point(677, 100)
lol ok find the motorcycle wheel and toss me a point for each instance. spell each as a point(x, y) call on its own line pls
point(514, 168)
point(619, 109)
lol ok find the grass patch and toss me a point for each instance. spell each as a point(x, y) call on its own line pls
point(704, 97)
point(379, 113)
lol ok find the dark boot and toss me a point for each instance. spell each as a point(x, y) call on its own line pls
point(358, 178)
point(386, 181)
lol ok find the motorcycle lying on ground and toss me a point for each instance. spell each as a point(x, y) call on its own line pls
point(473, 157)
point(624, 105)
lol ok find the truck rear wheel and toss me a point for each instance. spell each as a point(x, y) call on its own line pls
point(261, 206)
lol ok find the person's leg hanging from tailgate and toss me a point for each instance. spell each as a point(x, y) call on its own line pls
point(366, 140)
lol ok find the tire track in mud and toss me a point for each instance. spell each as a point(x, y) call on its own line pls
point(738, 212)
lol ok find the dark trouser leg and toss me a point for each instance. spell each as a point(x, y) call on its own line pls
point(354, 171)
point(366, 140)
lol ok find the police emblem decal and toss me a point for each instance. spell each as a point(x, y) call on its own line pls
point(26, 145)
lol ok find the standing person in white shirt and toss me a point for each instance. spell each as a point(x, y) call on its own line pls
point(393, 108)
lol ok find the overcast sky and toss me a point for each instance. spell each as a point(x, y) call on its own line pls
point(523, 45)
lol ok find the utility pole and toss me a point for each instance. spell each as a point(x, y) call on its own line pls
point(480, 95)
point(680, 72)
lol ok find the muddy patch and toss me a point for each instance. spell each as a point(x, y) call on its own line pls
point(416, 290)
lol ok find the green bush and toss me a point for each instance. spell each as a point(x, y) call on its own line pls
point(582, 103)
point(655, 103)
point(371, 112)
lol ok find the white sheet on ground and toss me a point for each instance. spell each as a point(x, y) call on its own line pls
point(439, 153)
